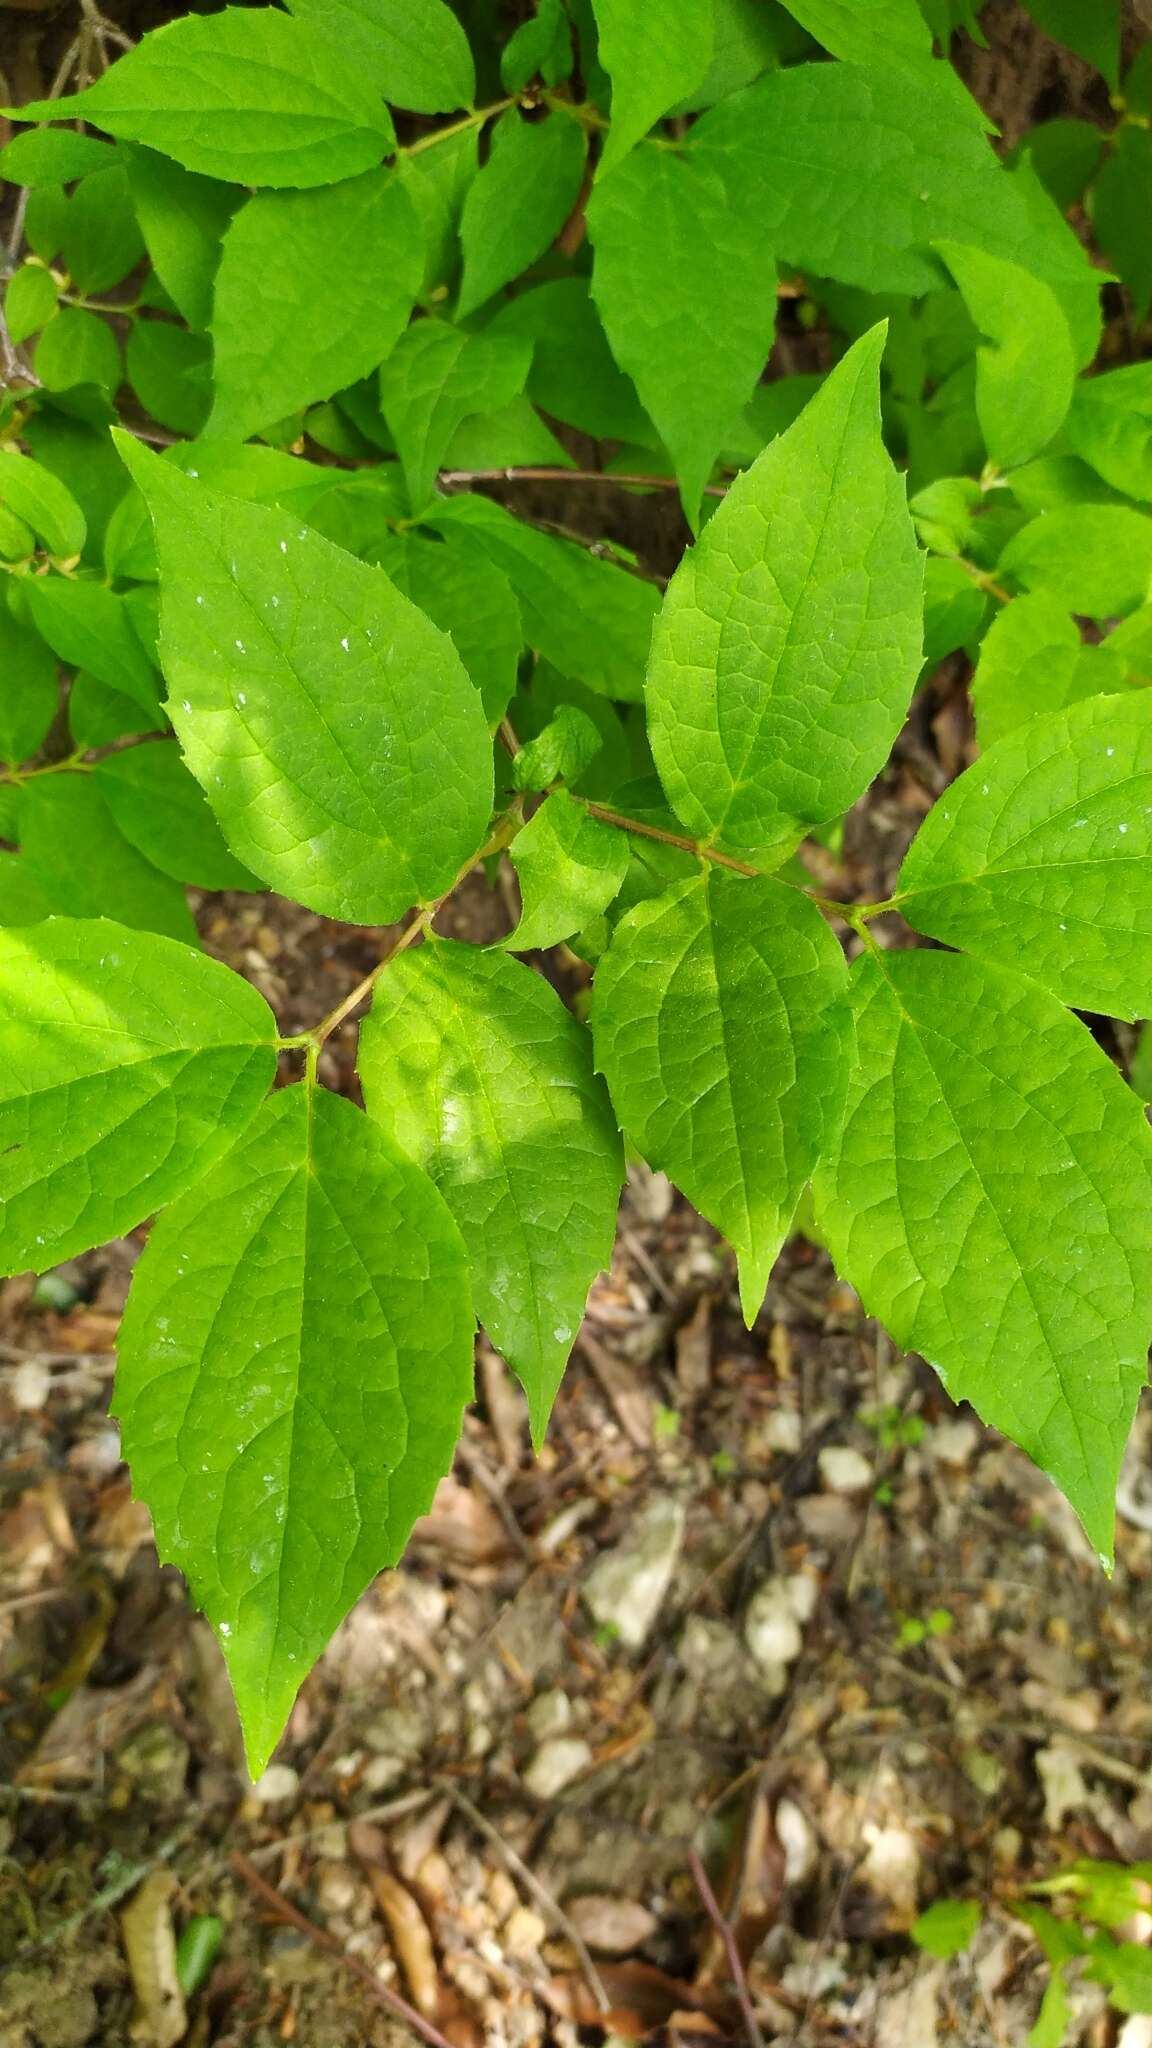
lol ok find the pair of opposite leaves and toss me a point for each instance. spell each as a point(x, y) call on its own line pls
point(276, 1537)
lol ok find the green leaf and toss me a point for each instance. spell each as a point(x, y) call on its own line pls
point(129, 1065)
point(569, 867)
point(435, 377)
point(359, 244)
point(476, 1070)
point(574, 375)
point(163, 812)
point(686, 286)
point(990, 1199)
point(790, 637)
point(415, 51)
point(590, 618)
point(1055, 2015)
point(654, 60)
point(955, 608)
point(294, 1361)
point(90, 627)
point(101, 240)
point(1025, 380)
point(169, 369)
point(856, 178)
point(1097, 558)
point(1110, 425)
point(248, 95)
point(83, 458)
point(947, 1928)
point(1119, 205)
point(182, 218)
point(78, 348)
point(513, 435)
point(540, 48)
point(864, 31)
point(29, 689)
point(85, 867)
point(437, 182)
point(1090, 27)
point(98, 715)
point(1065, 155)
point(517, 205)
point(718, 1021)
point(42, 502)
point(52, 156)
point(1126, 1968)
point(468, 597)
point(1033, 660)
point(1039, 856)
point(300, 689)
point(560, 751)
point(29, 301)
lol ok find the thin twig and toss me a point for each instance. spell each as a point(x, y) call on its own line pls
point(419, 924)
point(438, 135)
point(544, 474)
point(331, 1946)
point(531, 1883)
point(735, 1964)
point(686, 845)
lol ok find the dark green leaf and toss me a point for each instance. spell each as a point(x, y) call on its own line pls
point(518, 204)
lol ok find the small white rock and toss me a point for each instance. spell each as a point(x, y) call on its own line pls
point(555, 1764)
point(279, 1781)
point(844, 1470)
point(771, 1627)
point(953, 1443)
point(797, 1838)
point(626, 1588)
point(550, 1714)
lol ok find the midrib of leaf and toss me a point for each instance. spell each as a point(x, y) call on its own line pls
point(725, 1082)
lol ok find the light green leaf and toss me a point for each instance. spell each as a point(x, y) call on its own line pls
point(85, 867)
point(359, 243)
point(83, 458)
point(955, 608)
point(991, 1201)
point(574, 374)
point(1119, 205)
point(560, 751)
point(78, 348)
point(29, 301)
point(540, 48)
point(476, 1070)
point(1039, 856)
point(864, 31)
point(248, 95)
point(90, 627)
point(468, 597)
point(101, 239)
point(415, 51)
point(294, 1361)
point(718, 1019)
point(1025, 379)
point(29, 689)
point(182, 218)
point(1055, 2015)
point(437, 182)
point(1033, 660)
point(1110, 425)
point(1090, 27)
point(42, 502)
point(128, 1065)
point(1130, 644)
point(655, 59)
point(1096, 558)
point(947, 1928)
point(299, 692)
point(517, 205)
point(505, 439)
point(569, 867)
point(1065, 155)
point(52, 156)
point(1126, 1968)
point(163, 812)
point(436, 377)
point(591, 619)
point(686, 286)
point(789, 641)
point(857, 176)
